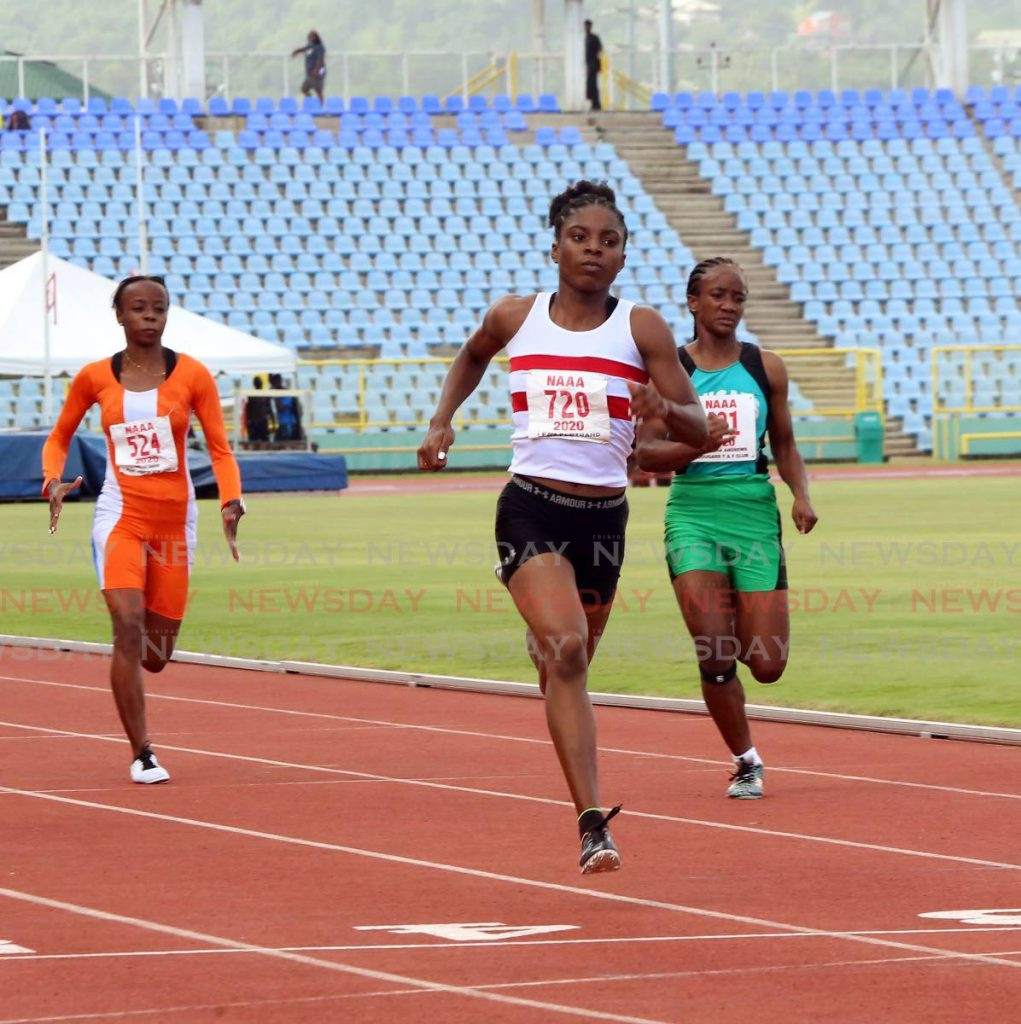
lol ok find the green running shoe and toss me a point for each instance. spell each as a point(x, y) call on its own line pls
point(746, 782)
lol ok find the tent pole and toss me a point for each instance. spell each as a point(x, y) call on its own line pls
point(44, 242)
point(143, 241)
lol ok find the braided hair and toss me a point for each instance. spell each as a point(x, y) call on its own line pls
point(699, 271)
point(579, 195)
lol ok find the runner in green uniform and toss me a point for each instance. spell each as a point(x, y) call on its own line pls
point(722, 526)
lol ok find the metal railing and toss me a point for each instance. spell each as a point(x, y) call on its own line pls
point(418, 72)
point(867, 395)
point(957, 413)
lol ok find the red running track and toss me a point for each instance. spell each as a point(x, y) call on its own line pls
point(337, 851)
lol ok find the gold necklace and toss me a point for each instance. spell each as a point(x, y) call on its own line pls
point(138, 366)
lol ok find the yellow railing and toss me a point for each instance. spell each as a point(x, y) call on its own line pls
point(993, 435)
point(951, 438)
point(506, 69)
point(616, 88)
point(867, 397)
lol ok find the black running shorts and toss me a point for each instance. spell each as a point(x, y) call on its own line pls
point(588, 532)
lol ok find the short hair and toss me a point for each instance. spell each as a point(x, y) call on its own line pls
point(579, 195)
point(133, 279)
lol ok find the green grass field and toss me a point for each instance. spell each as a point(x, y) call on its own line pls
point(906, 598)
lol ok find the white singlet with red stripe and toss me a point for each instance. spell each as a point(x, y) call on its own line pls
point(571, 406)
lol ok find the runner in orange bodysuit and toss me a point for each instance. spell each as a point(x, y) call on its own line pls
point(144, 530)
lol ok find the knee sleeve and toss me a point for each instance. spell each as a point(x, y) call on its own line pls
point(716, 676)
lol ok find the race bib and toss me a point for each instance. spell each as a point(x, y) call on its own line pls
point(144, 447)
point(741, 411)
point(571, 406)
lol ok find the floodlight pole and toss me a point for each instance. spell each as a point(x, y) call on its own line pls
point(947, 42)
point(143, 235)
point(666, 46)
point(632, 42)
point(44, 263)
point(143, 45)
point(538, 45)
point(574, 56)
point(185, 71)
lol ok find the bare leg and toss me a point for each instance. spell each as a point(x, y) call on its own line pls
point(708, 605)
point(127, 613)
point(764, 632)
point(158, 641)
point(561, 641)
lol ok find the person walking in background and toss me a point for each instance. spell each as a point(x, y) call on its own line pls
point(722, 524)
point(315, 65)
point(580, 363)
point(145, 522)
point(593, 65)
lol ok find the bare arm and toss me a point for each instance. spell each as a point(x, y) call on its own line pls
point(671, 395)
point(789, 463)
point(206, 402)
point(657, 452)
point(80, 397)
point(499, 325)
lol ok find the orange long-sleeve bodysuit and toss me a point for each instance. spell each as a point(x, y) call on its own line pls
point(144, 530)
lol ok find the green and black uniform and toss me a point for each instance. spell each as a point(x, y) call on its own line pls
point(722, 514)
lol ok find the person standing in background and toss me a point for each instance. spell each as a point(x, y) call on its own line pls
point(315, 65)
point(259, 415)
point(593, 62)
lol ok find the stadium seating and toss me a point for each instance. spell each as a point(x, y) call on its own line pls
point(385, 226)
point(883, 212)
point(387, 234)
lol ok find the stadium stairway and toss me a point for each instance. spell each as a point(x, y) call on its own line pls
point(996, 158)
point(698, 216)
point(14, 243)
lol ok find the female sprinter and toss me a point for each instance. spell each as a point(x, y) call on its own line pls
point(580, 361)
point(722, 527)
point(144, 528)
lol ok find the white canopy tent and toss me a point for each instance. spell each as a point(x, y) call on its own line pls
point(82, 326)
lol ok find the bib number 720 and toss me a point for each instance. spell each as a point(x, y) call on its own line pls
point(578, 399)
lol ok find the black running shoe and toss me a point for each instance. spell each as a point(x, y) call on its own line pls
point(598, 852)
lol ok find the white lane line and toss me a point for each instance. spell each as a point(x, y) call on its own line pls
point(455, 947)
point(711, 972)
point(494, 876)
point(216, 1008)
point(308, 961)
point(348, 773)
point(652, 755)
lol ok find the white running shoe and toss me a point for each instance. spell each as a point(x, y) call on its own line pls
point(147, 770)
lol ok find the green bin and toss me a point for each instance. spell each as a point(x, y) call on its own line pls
point(868, 436)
